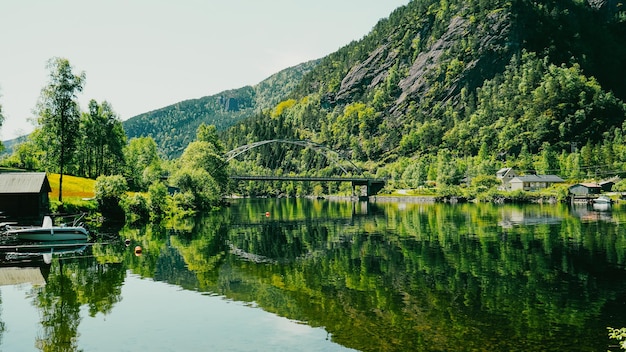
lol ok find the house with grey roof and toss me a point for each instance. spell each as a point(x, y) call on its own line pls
point(533, 182)
point(24, 194)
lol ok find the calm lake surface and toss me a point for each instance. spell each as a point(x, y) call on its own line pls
point(317, 275)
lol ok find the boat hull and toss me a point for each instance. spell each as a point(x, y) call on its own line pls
point(51, 234)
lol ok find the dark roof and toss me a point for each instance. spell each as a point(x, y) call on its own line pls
point(503, 171)
point(24, 182)
point(538, 178)
point(588, 185)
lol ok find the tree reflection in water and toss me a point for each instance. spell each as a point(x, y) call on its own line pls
point(70, 284)
point(414, 277)
point(429, 277)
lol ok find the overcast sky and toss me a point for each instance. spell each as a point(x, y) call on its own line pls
point(141, 55)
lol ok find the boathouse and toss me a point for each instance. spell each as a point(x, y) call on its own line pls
point(585, 189)
point(24, 194)
point(607, 186)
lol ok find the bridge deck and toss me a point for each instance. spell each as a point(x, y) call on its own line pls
point(355, 180)
point(373, 184)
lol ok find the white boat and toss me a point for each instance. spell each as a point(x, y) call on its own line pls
point(48, 232)
point(602, 200)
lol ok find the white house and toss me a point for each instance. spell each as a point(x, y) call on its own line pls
point(505, 175)
point(533, 182)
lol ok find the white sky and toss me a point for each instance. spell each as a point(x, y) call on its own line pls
point(141, 55)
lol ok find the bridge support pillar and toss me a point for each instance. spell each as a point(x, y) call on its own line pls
point(372, 186)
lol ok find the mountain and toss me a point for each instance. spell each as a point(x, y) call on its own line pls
point(438, 90)
point(501, 77)
point(174, 126)
point(11, 144)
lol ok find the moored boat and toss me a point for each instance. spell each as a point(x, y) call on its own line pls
point(49, 232)
point(602, 200)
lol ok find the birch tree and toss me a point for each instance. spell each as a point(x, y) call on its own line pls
point(59, 114)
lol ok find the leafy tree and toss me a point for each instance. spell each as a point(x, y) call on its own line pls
point(59, 114)
point(109, 190)
point(28, 155)
point(202, 156)
point(208, 133)
point(102, 141)
point(143, 164)
point(548, 162)
point(199, 184)
point(135, 207)
point(157, 195)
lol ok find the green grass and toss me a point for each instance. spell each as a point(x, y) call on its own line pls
point(73, 187)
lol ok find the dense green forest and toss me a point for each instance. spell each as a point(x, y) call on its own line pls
point(446, 89)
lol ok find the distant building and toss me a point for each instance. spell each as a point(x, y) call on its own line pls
point(24, 194)
point(585, 189)
point(607, 186)
point(533, 182)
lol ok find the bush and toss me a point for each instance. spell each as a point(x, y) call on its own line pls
point(73, 206)
point(181, 205)
point(619, 335)
point(109, 190)
point(135, 207)
point(157, 200)
point(200, 184)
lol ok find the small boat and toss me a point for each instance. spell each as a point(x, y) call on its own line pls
point(48, 232)
point(602, 200)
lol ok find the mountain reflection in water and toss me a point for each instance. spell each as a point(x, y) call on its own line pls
point(373, 276)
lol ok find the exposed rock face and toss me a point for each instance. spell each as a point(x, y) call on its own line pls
point(229, 103)
point(491, 52)
point(424, 71)
point(416, 83)
point(610, 5)
point(367, 74)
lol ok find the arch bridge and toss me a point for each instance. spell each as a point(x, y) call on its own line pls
point(373, 185)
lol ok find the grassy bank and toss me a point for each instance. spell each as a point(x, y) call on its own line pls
point(78, 194)
point(73, 187)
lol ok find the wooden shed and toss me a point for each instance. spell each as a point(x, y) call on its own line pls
point(585, 189)
point(24, 194)
point(607, 186)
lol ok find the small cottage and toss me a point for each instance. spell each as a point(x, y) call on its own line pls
point(585, 189)
point(24, 194)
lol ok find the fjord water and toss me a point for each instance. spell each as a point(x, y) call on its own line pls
point(318, 275)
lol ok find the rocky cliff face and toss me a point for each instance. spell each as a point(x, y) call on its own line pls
point(471, 50)
point(367, 74)
point(490, 54)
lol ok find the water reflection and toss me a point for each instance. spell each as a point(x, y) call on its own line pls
point(375, 276)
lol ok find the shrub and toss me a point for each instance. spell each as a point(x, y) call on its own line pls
point(109, 190)
point(157, 196)
point(135, 207)
point(619, 335)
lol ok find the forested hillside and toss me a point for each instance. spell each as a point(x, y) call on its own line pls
point(447, 88)
point(174, 127)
